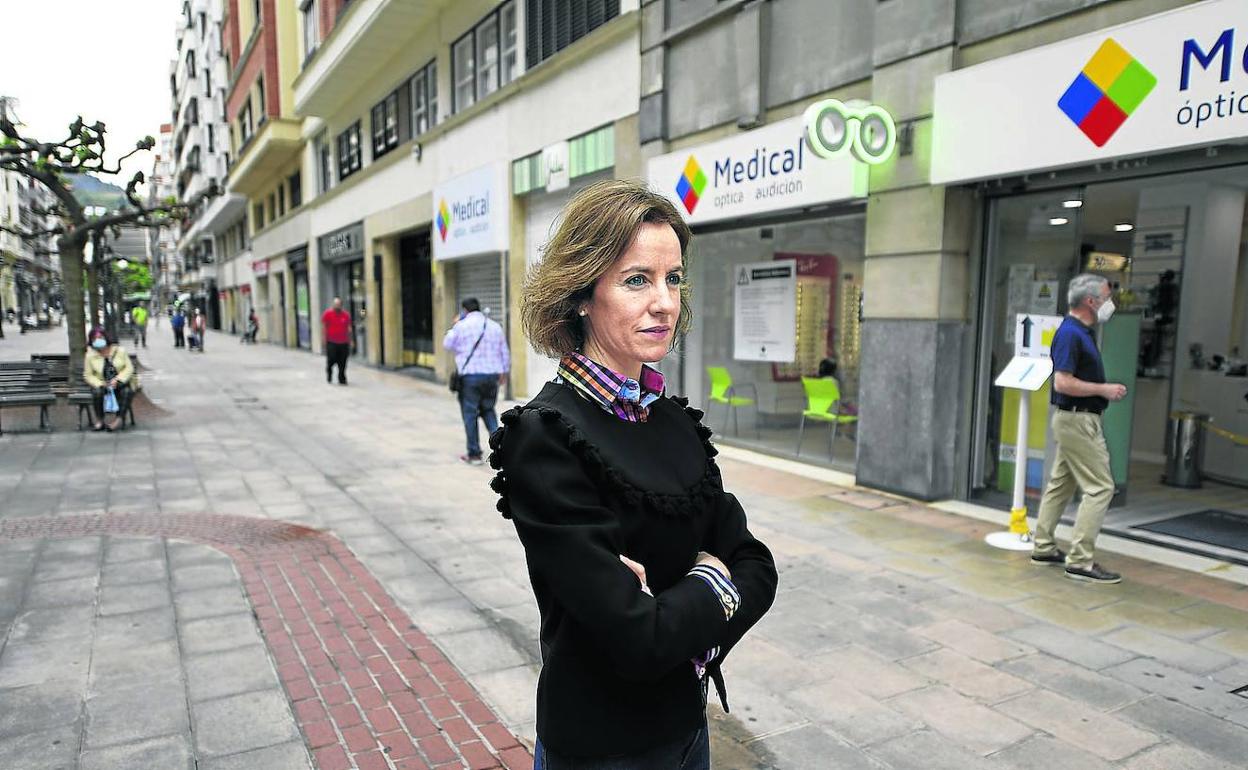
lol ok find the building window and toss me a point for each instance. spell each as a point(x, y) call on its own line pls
point(477, 66)
point(281, 200)
point(203, 24)
point(208, 82)
point(255, 9)
point(349, 151)
point(324, 164)
point(424, 98)
point(390, 121)
point(257, 216)
point(272, 206)
point(190, 63)
point(260, 102)
point(311, 28)
point(212, 145)
point(245, 127)
point(295, 183)
point(551, 27)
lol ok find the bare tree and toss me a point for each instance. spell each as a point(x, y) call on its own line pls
point(54, 165)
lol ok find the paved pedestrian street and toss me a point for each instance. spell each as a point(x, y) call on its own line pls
point(275, 572)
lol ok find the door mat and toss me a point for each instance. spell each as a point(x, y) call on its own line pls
point(1212, 526)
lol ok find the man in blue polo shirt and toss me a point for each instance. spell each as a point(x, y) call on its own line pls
point(1080, 394)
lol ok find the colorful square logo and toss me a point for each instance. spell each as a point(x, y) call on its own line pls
point(443, 220)
point(692, 183)
point(1105, 93)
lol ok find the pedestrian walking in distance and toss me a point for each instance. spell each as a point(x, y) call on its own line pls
point(138, 317)
point(645, 573)
point(482, 361)
point(177, 322)
point(337, 325)
point(199, 327)
point(1080, 394)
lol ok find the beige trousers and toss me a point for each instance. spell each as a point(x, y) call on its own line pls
point(1081, 462)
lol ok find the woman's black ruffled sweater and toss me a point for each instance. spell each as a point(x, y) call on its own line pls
point(584, 487)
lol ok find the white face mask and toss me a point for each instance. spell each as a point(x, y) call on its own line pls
point(1105, 312)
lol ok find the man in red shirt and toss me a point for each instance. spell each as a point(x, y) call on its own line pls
point(337, 325)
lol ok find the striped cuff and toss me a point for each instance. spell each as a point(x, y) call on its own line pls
point(722, 586)
point(702, 661)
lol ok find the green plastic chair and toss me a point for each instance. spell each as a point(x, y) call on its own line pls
point(723, 392)
point(823, 403)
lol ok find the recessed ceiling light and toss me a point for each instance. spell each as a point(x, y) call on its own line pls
point(1071, 204)
point(1058, 221)
point(1124, 227)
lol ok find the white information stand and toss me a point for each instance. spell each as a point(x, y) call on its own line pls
point(765, 309)
point(1027, 372)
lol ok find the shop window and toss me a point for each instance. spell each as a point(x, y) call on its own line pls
point(550, 27)
point(591, 152)
point(527, 174)
point(349, 155)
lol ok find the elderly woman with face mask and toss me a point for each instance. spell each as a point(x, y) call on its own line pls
point(644, 571)
point(107, 367)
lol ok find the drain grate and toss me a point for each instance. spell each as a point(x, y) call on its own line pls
point(1241, 691)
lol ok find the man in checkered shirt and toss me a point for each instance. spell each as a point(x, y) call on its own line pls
point(482, 371)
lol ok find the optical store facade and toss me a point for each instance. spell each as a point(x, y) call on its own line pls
point(1122, 152)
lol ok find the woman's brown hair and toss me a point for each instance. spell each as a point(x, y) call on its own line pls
point(595, 228)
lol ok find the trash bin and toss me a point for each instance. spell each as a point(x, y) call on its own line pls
point(1185, 449)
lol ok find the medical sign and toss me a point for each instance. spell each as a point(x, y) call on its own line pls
point(471, 214)
point(820, 157)
point(1173, 80)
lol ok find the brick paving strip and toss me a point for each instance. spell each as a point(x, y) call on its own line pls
point(369, 690)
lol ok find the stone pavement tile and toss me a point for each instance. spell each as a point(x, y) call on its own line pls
point(1216, 615)
point(757, 709)
point(1051, 583)
point(928, 750)
point(794, 631)
point(1172, 756)
point(913, 565)
point(1201, 692)
point(883, 637)
point(899, 611)
point(124, 666)
point(137, 571)
point(982, 587)
point(967, 675)
point(496, 592)
point(992, 618)
point(31, 709)
point(224, 632)
point(446, 616)
point(1191, 728)
point(86, 548)
point(974, 642)
point(1068, 645)
point(961, 720)
point(52, 623)
point(1082, 621)
point(54, 749)
point(480, 650)
point(1233, 642)
point(196, 576)
point(169, 752)
point(230, 672)
point(811, 746)
point(64, 568)
point(464, 567)
point(284, 756)
point(61, 593)
point(859, 668)
point(418, 591)
point(1073, 681)
point(242, 722)
point(189, 554)
point(134, 629)
point(122, 549)
point(854, 716)
point(27, 663)
point(1152, 644)
point(210, 602)
point(1045, 753)
point(127, 714)
point(1079, 725)
point(511, 692)
point(136, 597)
point(1235, 676)
point(1158, 620)
point(783, 671)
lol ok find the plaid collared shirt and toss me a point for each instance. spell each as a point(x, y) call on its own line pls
point(492, 355)
point(626, 398)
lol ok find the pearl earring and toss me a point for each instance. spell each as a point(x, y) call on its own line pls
point(582, 312)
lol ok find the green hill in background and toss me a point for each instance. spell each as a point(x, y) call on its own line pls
point(95, 192)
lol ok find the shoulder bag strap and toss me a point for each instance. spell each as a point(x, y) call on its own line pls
point(478, 342)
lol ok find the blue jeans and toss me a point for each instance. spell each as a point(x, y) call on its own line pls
point(692, 752)
point(476, 400)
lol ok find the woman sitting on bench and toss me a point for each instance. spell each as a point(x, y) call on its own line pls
point(107, 367)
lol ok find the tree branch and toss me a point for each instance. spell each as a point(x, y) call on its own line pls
point(30, 235)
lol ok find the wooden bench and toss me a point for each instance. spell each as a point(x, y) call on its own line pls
point(58, 370)
point(25, 384)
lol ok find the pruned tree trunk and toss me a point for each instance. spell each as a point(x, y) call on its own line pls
point(75, 318)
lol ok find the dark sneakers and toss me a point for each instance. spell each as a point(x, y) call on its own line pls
point(1057, 557)
point(1093, 574)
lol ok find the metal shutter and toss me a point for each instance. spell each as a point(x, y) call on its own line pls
point(482, 277)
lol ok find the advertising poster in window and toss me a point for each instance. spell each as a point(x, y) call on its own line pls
point(765, 311)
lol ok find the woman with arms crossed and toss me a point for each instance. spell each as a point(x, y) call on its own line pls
point(644, 571)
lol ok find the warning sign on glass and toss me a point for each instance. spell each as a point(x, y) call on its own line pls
point(765, 311)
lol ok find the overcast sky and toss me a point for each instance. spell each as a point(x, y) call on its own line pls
point(107, 60)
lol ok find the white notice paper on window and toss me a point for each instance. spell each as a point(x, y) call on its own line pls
point(765, 311)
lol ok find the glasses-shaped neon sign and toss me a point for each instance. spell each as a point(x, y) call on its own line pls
point(834, 128)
